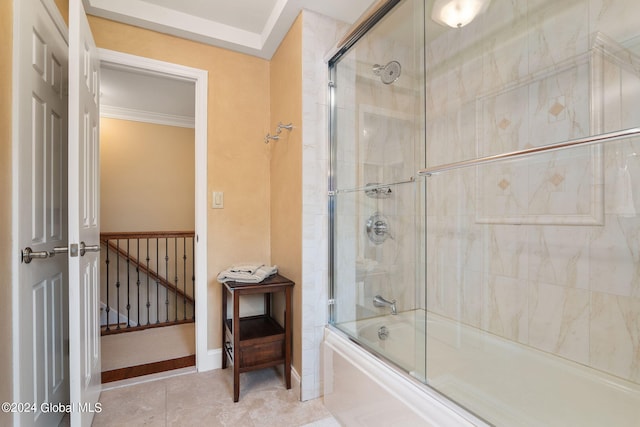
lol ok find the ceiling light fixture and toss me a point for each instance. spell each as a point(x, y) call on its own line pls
point(457, 13)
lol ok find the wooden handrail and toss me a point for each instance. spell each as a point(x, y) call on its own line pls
point(122, 235)
point(143, 268)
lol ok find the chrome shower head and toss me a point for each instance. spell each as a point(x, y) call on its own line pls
point(388, 73)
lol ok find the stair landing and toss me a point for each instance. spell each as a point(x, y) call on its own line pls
point(146, 349)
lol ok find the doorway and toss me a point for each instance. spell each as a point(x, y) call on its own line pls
point(153, 129)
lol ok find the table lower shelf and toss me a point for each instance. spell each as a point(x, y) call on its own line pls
point(262, 343)
point(256, 327)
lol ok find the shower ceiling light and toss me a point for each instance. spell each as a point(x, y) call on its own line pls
point(457, 13)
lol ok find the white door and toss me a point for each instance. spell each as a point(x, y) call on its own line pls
point(84, 225)
point(40, 212)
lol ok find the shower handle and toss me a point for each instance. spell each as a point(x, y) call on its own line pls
point(380, 228)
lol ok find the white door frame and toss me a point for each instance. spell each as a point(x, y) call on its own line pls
point(205, 360)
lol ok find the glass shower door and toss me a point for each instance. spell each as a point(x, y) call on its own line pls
point(377, 133)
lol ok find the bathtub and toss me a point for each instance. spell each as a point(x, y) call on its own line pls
point(379, 380)
point(398, 339)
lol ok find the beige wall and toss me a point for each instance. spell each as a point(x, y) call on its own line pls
point(63, 7)
point(147, 171)
point(238, 160)
point(6, 40)
point(286, 172)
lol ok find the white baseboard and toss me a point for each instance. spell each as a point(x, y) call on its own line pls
point(210, 361)
point(296, 383)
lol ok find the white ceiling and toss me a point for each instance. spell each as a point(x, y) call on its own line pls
point(255, 27)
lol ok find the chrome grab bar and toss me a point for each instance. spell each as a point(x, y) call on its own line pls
point(372, 187)
point(590, 140)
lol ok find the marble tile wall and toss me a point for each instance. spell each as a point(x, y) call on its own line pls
point(544, 251)
point(380, 140)
point(319, 34)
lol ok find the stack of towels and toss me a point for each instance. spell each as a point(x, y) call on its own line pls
point(252, 273)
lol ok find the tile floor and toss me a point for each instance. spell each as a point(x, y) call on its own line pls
point(199, 399)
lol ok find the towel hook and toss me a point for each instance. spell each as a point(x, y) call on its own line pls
point(279, 128)
point(269, 136)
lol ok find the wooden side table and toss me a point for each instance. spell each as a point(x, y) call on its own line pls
point(256, 342)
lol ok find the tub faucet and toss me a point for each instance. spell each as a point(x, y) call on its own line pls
point(379, 301)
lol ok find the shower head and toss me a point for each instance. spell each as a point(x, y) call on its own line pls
point(388, 73)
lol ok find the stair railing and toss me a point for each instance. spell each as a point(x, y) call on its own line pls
point(147, 279)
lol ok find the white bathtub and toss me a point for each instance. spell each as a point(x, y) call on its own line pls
point(506, 383)
point(403, 343)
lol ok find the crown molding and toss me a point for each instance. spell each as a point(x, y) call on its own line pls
point(146, 116)
point(168, 21)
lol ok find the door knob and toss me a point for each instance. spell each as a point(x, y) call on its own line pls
point(91, 248)
point(28, 255)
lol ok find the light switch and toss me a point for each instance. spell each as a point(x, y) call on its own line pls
point(217, 200)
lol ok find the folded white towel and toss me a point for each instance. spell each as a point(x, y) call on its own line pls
point(247, 273)
point(251, 269)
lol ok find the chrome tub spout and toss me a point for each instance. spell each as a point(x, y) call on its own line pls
point(379, 301)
